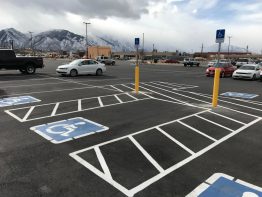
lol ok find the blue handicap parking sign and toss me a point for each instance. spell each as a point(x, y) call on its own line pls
point(220, 35)
point(66, 130)
point(137, 41)
point(17, 100)
point(239, 95)
point(224, 187)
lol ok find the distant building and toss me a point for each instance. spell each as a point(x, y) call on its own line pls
point(210, 55)
point(95, 51)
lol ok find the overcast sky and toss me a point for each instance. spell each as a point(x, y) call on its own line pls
point(169, 24)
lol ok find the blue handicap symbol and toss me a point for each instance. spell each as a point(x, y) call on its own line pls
point(220, 34)
point(17, 100)
point(224, 187)
point(62, 131)
point(240, 95)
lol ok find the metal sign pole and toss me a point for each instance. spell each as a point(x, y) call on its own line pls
point(137, 67)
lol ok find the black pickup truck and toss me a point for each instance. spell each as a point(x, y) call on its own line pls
point(27, 65)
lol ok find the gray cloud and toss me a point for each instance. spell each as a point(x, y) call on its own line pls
point(89, 8)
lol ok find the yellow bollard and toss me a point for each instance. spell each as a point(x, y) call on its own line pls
point(137, 79)
point(216, 87)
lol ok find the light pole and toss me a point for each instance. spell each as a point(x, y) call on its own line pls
point(86, 31)
point(229, 38)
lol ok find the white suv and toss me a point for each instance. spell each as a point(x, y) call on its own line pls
point(105, 60)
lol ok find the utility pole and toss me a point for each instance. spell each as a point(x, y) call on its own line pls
point(31, 33)
point(86, 23)
point(229, 41)
point(143, 49)
point(202, 49)
point(247, 48)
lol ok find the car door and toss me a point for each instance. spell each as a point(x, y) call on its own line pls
point(83, 67)
point(92, 66)
point(258, 71)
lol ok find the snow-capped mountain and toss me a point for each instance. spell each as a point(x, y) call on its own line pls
point(56, 40)
point(19, 39)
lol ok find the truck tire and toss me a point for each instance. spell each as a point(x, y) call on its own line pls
point(185, 65)
point(197, 64)
point(30, 69)
point(113, 63)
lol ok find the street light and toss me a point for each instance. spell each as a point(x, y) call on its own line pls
point(229, 38)
point(86, 23)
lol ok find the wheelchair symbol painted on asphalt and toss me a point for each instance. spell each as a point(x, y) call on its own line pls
point(5, 102)
point(66, 130)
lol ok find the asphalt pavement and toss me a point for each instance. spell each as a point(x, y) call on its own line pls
point(94, 136)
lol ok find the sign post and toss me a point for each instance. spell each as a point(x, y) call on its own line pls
point(220, 38)
point(137, 67)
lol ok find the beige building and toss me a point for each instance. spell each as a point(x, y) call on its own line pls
point(95, 51)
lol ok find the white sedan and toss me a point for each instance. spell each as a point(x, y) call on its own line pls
point(247, 71)
point(81, 67)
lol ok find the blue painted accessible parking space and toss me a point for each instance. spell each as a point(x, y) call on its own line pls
point(239, 95)
point(5, 102)
point(221, 185)
point(66, 130)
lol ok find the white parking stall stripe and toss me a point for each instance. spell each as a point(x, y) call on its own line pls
point(100, 102)
point(227, 117)
point(178, 94)
point(178, 84)
point(140, 92)
point(117, 98)
point(28, 113)
point(174, 140)
point(131, 96)
point(79, 105)
point(215, 123)
point(103, 162)
point(197, 131)
point(116, 88)
point(55, 109)
point(146, 154)
point(164, 85)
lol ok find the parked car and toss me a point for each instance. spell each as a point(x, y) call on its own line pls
point(261, 75)
point(81, 67)
point(226, 70)
point(248, 71)
point(171, 61)
point(242, 61)
point(105, 60)
point(191, 62)
point(27, 65)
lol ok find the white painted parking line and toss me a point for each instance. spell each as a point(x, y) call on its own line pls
point(226, 117)
point(146, 154)
point(117, 98)
point(163, 173)
point(30, 85)
point(28, 113)
point(131, 96)
point(174, 140)
point(194, 129)
point(103, 162)
point(55, 109)
point(212, 122)
point(53, 112)
point(116, 88)
point(100, 102)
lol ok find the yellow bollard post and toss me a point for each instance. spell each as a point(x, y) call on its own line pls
point(137, 79)
point(216, 87)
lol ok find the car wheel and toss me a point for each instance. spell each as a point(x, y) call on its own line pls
point(99, 72)
point(185, 65)
point(197, 65)
point(222, 75)
point(254, 77)
point(73, 73)
point(113, 63)
point(30, 69)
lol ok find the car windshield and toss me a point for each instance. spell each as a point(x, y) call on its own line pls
point(75, 62)
point(247, 67)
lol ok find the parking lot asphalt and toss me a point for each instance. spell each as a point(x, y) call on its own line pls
point(93, 136)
